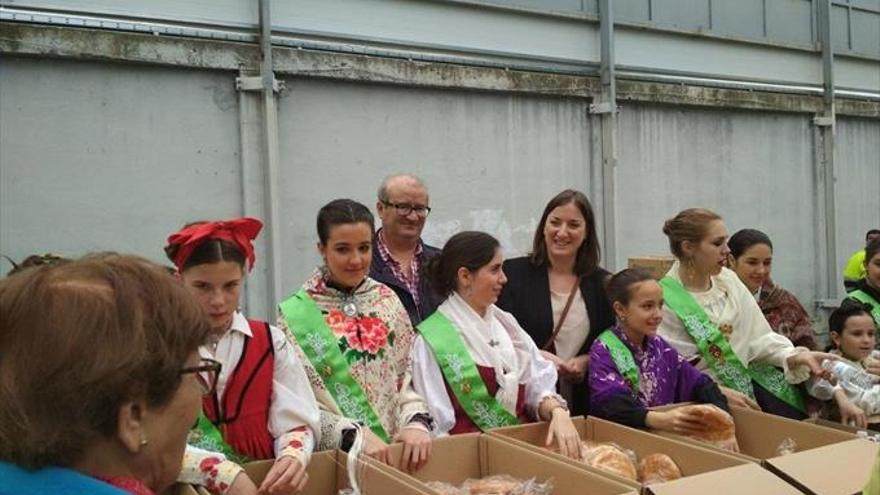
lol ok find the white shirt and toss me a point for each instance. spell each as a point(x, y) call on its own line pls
point(293, 403)
point(535, 372)
point(729, 302)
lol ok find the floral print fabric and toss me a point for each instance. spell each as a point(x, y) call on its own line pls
point(375, 342)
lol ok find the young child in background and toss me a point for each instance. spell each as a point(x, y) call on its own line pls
point(853, 334)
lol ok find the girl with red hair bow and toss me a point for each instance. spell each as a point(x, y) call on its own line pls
point(263, 406)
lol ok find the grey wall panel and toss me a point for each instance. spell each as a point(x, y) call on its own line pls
point(857, 158)
point(755, 170)
point(866, 32)
point(857, 73)
point(217, 12)
point(682, 14)
point(840, 28)
point(112, 157)
point(790, 21)
point(743, 18)
point(670, 52)
point(491, 161)
point(632, 10)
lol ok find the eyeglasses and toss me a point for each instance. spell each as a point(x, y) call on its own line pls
point(404, 209)
point(206, 374)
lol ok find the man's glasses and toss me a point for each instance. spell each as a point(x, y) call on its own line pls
point(404, 209)
point(206, 374)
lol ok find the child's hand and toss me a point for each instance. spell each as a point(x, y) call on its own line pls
point(242, 485)
point(850, 413)
point(739, 399)
point(287, 475)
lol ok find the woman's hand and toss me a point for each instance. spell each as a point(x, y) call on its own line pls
point(416, 448)
point(242, 485)
point(683, 421)
point(287, 475)
point(562, 430)
point(553, 358)
point(576, 368)
point(739, 399)
point(813, 360)
point(849, 412)
point(375, 447)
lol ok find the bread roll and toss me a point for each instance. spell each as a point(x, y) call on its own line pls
point(720, 429)
point(494, 485)
point(610, 458)
point(658, 468)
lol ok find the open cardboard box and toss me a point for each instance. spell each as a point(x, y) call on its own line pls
point(457, 458)
point(693, 460)
point(826, 461)
point(759, 434)
point(328, 474)
point(859, 432)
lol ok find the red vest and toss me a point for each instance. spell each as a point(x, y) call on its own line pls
point(244, 421)
point(463, 423)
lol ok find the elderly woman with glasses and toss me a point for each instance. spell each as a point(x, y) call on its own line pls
point(101, 377)
point(263, 407)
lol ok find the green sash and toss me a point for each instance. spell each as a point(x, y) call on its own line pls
point(864, 297)
point(205, 435)
point(716, 350)
point(623, 359)
point(462, 375)
point(306, 323)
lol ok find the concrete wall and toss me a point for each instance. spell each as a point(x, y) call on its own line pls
point(115, 156)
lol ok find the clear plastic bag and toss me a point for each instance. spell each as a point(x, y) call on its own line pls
point(501, 484)
point(612, 458)
point(787, 446)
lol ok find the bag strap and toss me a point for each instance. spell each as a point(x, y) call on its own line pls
point(574, 290)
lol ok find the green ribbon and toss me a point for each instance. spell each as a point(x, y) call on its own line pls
point(716, 350)
point(205, 435)
point(864, 297)
point(623, 359)
point(462, 375)
point(307, 325)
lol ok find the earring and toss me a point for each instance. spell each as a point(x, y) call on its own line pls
point(144, 443)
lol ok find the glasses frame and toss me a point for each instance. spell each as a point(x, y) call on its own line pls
point(404, 209)
point(206, 365)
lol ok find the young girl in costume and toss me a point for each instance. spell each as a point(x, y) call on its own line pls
point(263, 406)
point(477, 368)
point(632, 368)
point(354, 336)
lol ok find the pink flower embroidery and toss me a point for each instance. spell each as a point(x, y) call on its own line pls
point(207, 465)
point(339, 323)
point(374, 334)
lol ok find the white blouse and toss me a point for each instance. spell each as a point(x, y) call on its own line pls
point(729, 302)
point(293, 402)
point(533, 370)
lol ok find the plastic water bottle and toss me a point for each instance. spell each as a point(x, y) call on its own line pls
point(849, 374)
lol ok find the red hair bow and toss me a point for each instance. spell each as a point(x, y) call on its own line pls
point(240, 232)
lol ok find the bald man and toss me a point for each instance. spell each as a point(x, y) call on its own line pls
point(399, 254)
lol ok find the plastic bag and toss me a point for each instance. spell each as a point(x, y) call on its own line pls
point(614, 459)
point(501, 484)
point(658, 468)
point(787, 446)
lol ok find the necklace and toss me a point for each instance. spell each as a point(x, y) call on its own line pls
point(349, 306)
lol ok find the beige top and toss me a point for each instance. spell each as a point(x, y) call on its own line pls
point(576, 326)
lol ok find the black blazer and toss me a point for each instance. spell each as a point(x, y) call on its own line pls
point(527, 297)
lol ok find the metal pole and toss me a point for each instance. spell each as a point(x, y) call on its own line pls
point(825, 123)
point(270, 160)
point(606, 108)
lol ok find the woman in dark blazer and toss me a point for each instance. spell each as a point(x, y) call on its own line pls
point(541, 294)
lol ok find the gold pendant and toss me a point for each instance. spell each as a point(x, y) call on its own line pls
point(327, 371)
point(466, 388)
point(726, 329)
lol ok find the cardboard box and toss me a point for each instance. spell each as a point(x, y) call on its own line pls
point(458, 458)
point(657, 265)
point(691, 459)
point(838, 469)
point(328, 474)
point(872, 435)
point(747, 478)
point(760, 434)
point(827, 461)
